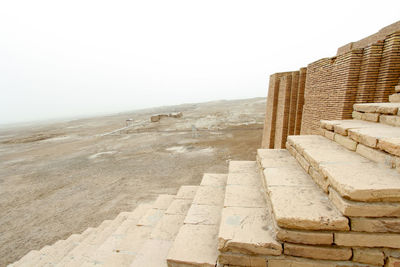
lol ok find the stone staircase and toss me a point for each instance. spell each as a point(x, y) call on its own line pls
point(326, 200)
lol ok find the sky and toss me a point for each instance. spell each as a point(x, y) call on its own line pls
point(61, 59)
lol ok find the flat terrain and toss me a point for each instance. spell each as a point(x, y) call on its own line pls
point(60, 178)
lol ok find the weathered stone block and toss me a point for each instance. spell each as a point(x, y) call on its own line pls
point(315, 252)
point(353, 239)
point(369, 256)
point(346, 142)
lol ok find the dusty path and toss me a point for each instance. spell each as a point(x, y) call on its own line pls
point(60, 178)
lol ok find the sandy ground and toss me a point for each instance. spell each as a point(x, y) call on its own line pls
point(60, 178)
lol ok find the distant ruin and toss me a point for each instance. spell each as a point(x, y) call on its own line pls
point(365, 71)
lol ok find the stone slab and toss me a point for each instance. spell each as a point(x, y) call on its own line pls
point(162, 202)
point(304, 237)
point(186, 192)
point(315, 252)
point(195, 245)
point(210, 195)
point(353, 239)
point(369, 256)
point(305, 208)
point(247, 231)
point(243, 196)
point(366, 181)
point(214, 179)
point(243, 179)
point(151, 217)
point(203, 214)
point(376, 155)
point(242, 166)
point(346, 142)
point(390, 145)
point(384, 108)
point(179, 206)
point(235, 259)
point(152, 254)
point(363, 209)
point(375, 225)
point(390, 120)
point(167, 227)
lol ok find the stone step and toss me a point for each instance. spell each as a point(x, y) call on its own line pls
point(62, 248)
point(386, 113)
point(154, 250)
point(196, 242)
point(122, 248)
point(378, 136)
point(296, 201)
point(246, 224)
point(106, 249)
point(78, 254)
point(353, 176)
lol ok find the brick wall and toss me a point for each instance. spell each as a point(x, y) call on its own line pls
point(282, 111)
point(330, 89)
point(363, 71)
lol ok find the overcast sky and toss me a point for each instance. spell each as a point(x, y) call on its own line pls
point(73, 58)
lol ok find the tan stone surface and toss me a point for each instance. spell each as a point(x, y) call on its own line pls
point(247, 230)
point(329, 134)
point(304, 237)
point(179, 206)
point(203, 214)
point(163, 201)
point(363, 181)
point(363, 209)
point(353, 239)
point(243, 179)
point(392, 262)
point(242, 166)
point(243, 196)
point(377, 225)
point(343, 126)
point(292, 175)
point(376, 155)
point(167, 227)
point(370, 136)
point(384, 108)
point(346, 142)
point(186, 192)
point(394, 98)
point(369, 256)
point(374, 117)
point(315, 252)
point(357, 115)
point(78, 251)
point(151, 217)
point(214, 179)
point(305, 208)
point(303, 162)
point(299, 262)
point(390, 120)
point(125, 250)
point(232, 259)
point(319, 179)
point(209, 195)
point(390, 145)
point(106, 249)
point(196, 245)
point(152, 254)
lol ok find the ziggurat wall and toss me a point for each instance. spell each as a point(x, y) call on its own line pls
point(330, 199)
point(362, 72)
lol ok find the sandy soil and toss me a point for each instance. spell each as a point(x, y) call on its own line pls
point(60, 178)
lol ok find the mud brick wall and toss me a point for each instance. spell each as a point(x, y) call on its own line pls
point(379, 36)
point(293, 102)
point(389, 71)
point(300, 100)
point(330, 90)
point(282, 111)
point(268, 140)
point(369, 72)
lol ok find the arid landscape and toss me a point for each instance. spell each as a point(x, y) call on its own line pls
point(60, 178)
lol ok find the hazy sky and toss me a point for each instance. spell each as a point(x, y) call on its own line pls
point(72, 58)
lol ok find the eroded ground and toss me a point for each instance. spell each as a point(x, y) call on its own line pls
point(60, 178)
